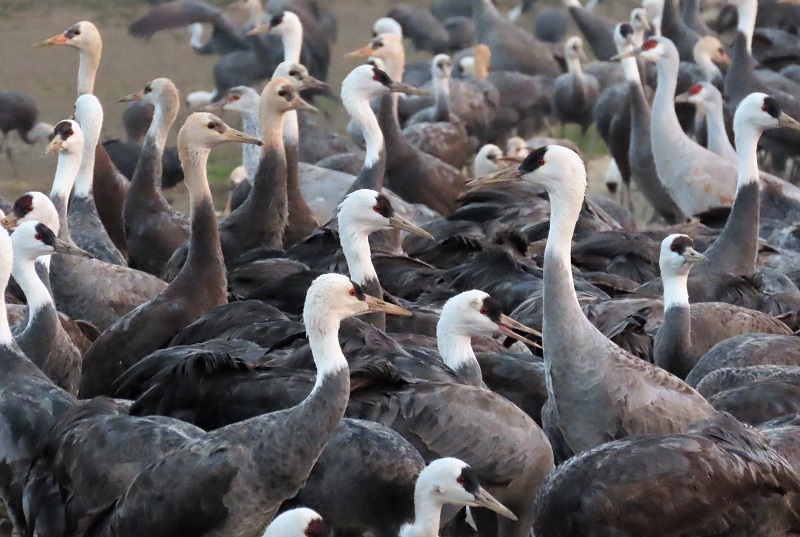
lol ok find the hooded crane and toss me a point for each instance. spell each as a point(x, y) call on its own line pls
point(110, 186)
point(709, 103)
point(200, 286)
point(597, 391)
point(298, 522)
point(43, 340)
point(18, 112)
point(88, 289)
point(575, 93)
point(84, 221)
point(153, 228)
point(248, 469)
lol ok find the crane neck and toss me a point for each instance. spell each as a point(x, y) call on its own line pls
point(455, 347)
point(291, 128)
point(271, 123)
point(357, 253)
point(193, 161)
point(251, 153)
point(664, 118)
point(292, 41)
point(747, 138)
point(574, 65)
point(91, 128)
point(442, 98)
point(6, 261)
point(710, 70)
point(427, 515)
point(359, 109)
point(66, 172)
point(88, 64)
point(36, 294)
point(718, 141)
point(164, 114)
point(676, 289)
point(747, 11)
point(322, 329)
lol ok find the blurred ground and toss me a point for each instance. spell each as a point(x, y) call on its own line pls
point(49, 74)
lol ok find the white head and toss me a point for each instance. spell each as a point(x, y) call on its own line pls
point(678, 256)
point(466, 66)
point(517, 148)
point(32, 239)
point(299, 522)
point(654, 8)
point(32, 206)
point(474, 314)
point(242, 99)
point(387, 25)
point(441, 66)
point(762, 112)
point(83, 36)
point(159, 92)
point(367, 211)
point(452, 481)
point(703, 94)
point(624, 37)
point(709, 48)
point(366, 82)
point(89, 115)
point(333, 297)
point(67, 138)
point(488, 160)
point(573, 49)
point(297, 74)
point(287, 23)
point(387, 47)
point(657, 49)
point(639, 19)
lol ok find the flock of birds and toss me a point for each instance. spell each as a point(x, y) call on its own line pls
point(405, 329)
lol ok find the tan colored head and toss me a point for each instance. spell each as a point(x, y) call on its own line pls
point(280, 95)
point(711, 48)
point(483, 58)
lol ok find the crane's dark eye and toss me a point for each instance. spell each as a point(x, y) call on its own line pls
point(77, 32)
point(282, 93)
point(460, 479)
point(484, 311)
point(38, 236)
point(540, 162)
point(292, 73)
point(492, 157)
point(236, 97)
point(212, 125)
point(148, 88)
point(377, 44)
point(353, 292)
point(70, 133)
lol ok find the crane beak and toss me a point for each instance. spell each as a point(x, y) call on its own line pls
point(401, 223)
point(509, 160)
point(64, 247)
point(682, 98)
point(507, 325)
point(300, 104)
point(54, 145)
point(237, 136)
point(260, 29)
point(311, 82)
point(133, 97)
point(724, 59)
point(376, 305)
point(399, 87)
point(218, 106)
point(785, 120)
point(364, 52)
point(693, 256)
point(10, 222)
point(59, 39)
point(629, 54)
point(502, 176)
point(484, 499)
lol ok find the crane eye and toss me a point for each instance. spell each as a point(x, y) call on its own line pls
point(212, 125)
point(540, 162)
point(292, 73)
point(460, 480)
point(38, 236)
point(77, 32)
point(236, 97)
point(353, 292)
point(282, 93)
point(484, 311)
point(148, 89)
point(377, 208)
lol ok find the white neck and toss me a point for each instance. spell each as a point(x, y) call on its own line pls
point(747, 11)
point(91, 136)
point(322, 330)
point(358, 108)
point(676, 290)
point(355, 245)
point(292, 44)
point(66, 171)
point(656, 24)
point(427, 516)
point(565, 208)
point(251, 153)
point(574, 66)
point(291, 128)
point(6, 261)
point(638, 36)
point(159, 127)
point(442, 89)
point(746, 150)
point(193, 162)
point(36, 294)
point(664, 118)
point(709, 68)
point(454, 347)
point(718, 141)
point(87, 70)
point(629, 65)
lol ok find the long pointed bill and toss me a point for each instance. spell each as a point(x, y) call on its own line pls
point(376, 305)
point(693, 256)
point(509, 160)
point(682, 98)
point(237, 136)
point(133, 97)
point(399, 87)
point(629, 54)
point(484, 499)
point(311, 82)
point(10, 222)
point(785, 120)
point(54, 145)
point(360, 53)
point(300, 104)
point(401, 223)
point(64, 247)
point(260, 29)
point(501, 176)
point(507, 325)
point(59, 39)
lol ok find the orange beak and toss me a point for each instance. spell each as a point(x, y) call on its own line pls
point(59, 39)
point(360, 53)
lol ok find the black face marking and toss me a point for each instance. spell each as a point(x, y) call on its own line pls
point(771, 107)
point(23, 206)
point(63, 129)
point(534, 160)
point(383, 206)
point(625, 29)
point(73, 31)
point(470, 480)
point(45, 234)
point(680, 244)
point(359, 291)
point(493, 309)
point(381, 76)
point(148, 88)
point(292, 73)
point(276, 20)
point(287, 93)
point(317, 528)
point(376, 44)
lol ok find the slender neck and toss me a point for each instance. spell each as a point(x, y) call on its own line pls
point(355, 245)
point(272, 131)
point(442, 98)
point(85, 178)
point(718, 141)
point(574, 65)
point(747, 148)
point(676, 290)
point(251, 153)
point(6, 338)
point(164, 116)
point(359, 109)
point(630, 67)
point(664, 117)
point(454, 346)
point(87, 69)
point(710, 70)
point(36, 294)
point(66, 171)
point(427, 516)
point(323, 338)
point(747, 11)
point(292, 45)
point(193, 162)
